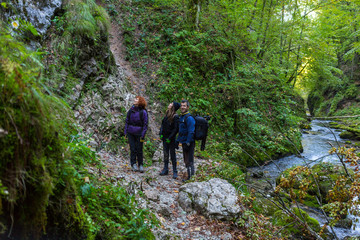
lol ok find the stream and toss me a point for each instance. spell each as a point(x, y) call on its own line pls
point(316, 143)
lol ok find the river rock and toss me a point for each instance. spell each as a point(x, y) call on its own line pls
point(344, 223)
point(215, 198)
point(351, 238)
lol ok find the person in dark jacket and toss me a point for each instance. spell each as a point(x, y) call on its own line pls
point(136, 124)
point(168, 131)
point(186, 137)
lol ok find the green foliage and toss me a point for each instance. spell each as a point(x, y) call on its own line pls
point(115, 214)
point(34, 142)
point(246, 98)
point(44, 173)
point(258, 227)
point(293, 227)
point(334, 67)
point(85, 18)
point(328, 186)
point(79, 36)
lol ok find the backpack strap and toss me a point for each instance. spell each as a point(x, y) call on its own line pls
point(141, 116)
point(186, 117)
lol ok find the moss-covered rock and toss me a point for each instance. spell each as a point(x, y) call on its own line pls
point(350, 133)
point(294, 227)
point(321, 181)
point(344, 223)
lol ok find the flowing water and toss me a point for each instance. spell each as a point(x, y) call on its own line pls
point(316, 143)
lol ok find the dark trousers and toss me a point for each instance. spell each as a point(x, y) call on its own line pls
point(169, 150)
point(189, 154)
point(136, 149)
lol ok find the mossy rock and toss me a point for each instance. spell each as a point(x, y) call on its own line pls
point(344, 223)
point(296, 229)
point(347, 135)
point(325, 174)
point(334, 124)
point(351, 238)
point(266, 207)
point(305, 125)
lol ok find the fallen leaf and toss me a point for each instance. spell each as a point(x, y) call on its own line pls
point(176, 191)
point(86, 179)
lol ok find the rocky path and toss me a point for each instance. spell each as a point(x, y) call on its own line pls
point(137, 83)
point(161, 195)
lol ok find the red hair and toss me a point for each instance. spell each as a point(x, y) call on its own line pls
point(142, 103)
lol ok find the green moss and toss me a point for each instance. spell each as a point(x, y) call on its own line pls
point(325, 175)
point(295, 228)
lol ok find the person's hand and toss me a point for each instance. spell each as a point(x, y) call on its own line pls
point(167, 140)
point(161, 137)
point(186, 147)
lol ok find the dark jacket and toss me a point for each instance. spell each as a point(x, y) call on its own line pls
point(169, 130)
point(133, 123)
point(186, 130)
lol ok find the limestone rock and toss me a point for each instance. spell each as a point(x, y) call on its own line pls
point(215, 198)
point(158, 155)
point(38, 13)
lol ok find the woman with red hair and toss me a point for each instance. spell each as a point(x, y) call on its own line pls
point(135, 129)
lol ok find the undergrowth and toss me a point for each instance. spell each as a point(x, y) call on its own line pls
point(249, 105)
point(45, 188)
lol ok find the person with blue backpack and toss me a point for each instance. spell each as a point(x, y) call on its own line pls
point(186, 137)
point(136, 124)
point(168, 131)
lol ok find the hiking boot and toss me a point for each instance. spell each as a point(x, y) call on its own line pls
point(192, 170)
point(174, 169)
point(141, 169)
point(189, 174)
point(134, 168)
point(164, 172)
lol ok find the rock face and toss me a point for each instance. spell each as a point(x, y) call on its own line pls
point(38, 13)
point(104, 111)
point(215, 198)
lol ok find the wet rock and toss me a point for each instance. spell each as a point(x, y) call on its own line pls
point(351, 238)
point(348, 135)
point(344, 223)
point(258, 174)
point(215, 198)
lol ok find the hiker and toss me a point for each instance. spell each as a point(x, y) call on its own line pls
point(186, 137)
point(136, 124)
point(168, 131)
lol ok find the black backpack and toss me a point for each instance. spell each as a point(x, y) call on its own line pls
point(141, 115)
point(201, 129)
